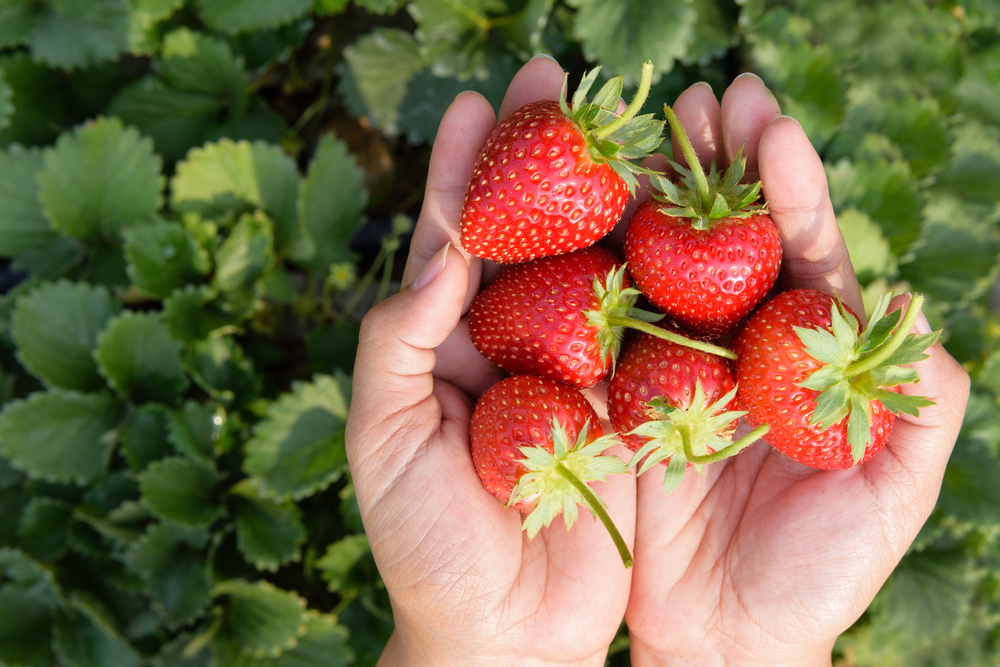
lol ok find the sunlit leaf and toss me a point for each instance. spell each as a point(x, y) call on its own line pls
point(234, 16)
point(140, 360)
point(259, 619)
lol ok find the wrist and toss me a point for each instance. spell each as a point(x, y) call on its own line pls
point(642, 655)
point(404, 651)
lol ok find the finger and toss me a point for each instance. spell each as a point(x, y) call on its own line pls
point(700, 116)
point(541, 78)
point(393, 373)
point(794, 184)
point(918, 449)
point(747, 108)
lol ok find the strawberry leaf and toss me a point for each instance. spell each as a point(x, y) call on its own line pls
point(298, 449)
point(236, 16)
point(340, 558)
point(55, 328)
point(258, 619)
point(69, 34)
point(169, 559)
point(100, 179)
point(87, 636)
point(6, 101)
point(25, 628)
point(145, 439)
point(382, 63)
point(62, 436)
point(268, 534)
point(163, 256)
point(139, 360)
point(181, 490)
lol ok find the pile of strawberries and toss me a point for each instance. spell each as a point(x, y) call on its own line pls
point(703, 255)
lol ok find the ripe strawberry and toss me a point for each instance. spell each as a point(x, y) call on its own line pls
point(554, 177)
point(562, 317)
point(669, 405)
point(703, 252)
point(537, 444)
point(829, 393)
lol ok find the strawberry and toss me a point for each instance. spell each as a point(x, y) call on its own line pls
point(704, 252)
point(537, 445)
point(828, 390)
point(554, 177)
point(562, 317)
point(669, 405)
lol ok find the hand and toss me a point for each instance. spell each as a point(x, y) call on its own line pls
point(761, 560)
point(466, 585)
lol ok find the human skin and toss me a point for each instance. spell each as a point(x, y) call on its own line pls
point(759, 560)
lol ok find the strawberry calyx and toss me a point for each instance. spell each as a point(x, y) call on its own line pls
point(617, 312)
point(706, 198)
point(861, 368)
point(557, 482)
point(698, 434)
point(611, 138)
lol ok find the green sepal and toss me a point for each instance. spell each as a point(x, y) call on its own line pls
point(616, 303)
point(860, 368)
point(615, 139)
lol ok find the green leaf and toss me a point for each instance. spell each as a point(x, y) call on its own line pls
point(324, 644)
point(268, 534)
point(181, 490)
point(44, 528)
point(100, 179)
point(145, 440)
point(259, 619)
point(163, 256)
point(195, 429)
point(171, 561)
point(25, 629)
point(140, 360)
point(60, 435)
point(382, 62)
point(235, 16)
point(86, 636)
point(55, 328)
point(299, 448)
point(40, 100)
point(969, 492)
point(871, 256)
point(143, 19)
point(25, 233)
point(340, 558)
point(78, 33)
point(6, 101)
point(453, 37)
point(199, 63)
point(220, 367)
point(17, 19)
point(231, 178)
point(245, 257)
point(331, 206)
point(622, 35)
point(197, 312)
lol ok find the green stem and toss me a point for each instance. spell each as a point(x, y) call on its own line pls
point(883, 352)
point(725, 452)
point(645, 81)
point(597, 507)
point(704, 193)
point(659, 332)
point(363, 284)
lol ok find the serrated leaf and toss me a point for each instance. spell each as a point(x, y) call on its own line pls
point(236, 16)
point(60, 435)
point(231, 178)
point(25, 629)
point(163, 256)
point(143, 19)
point(259, 619)
point(55, 328)
point(99, 179)
point(969, 492)
point(453, 37)
point(181, 490)
point(245, 257)
point(220, 367)
point(78, 33)
point(622, 35)
point(324, 644)
point(340, 557)
point(382, 62)
point(299, 448)
point(25, 233)
point(195, 313)
point(140, 360)
point(44, 528)
point(85, 636)
point(17, 18)
point(268, 534)
point(331, 205)
point(40, 107)
point(195, 428)
point(170, 560)
point(145, 440)
point(196, 62)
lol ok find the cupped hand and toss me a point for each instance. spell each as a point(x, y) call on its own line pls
point(761, 560)
point(466, 585)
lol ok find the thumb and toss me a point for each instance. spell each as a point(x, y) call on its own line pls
point(395, 361)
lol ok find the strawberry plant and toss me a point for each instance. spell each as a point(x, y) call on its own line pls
point(199, 199)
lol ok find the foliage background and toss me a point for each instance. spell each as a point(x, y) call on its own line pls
point(200, 198)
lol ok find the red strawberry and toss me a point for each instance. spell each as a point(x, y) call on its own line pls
point(669, 405)
point(562, 317)
point(703, 252)
point(554, 177)
point(829, 393)
point(537, 444)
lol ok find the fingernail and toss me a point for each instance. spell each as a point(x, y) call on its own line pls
point(703, 84)
point(748, 74)
point(544, 55)
point(433, 268)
